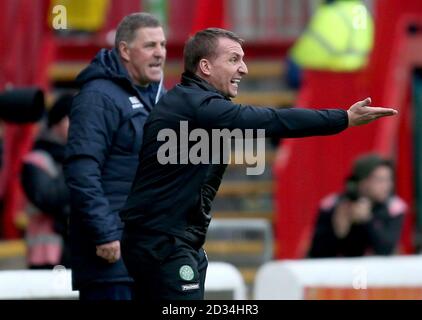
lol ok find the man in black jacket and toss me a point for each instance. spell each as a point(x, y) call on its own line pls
point(166, 215)
point(119, 89)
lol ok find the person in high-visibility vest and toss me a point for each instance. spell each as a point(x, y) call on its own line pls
point(338, 38)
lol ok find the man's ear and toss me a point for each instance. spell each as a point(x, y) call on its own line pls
point(205, 67)
point(124, 51)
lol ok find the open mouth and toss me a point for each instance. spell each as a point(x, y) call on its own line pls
point(235, 82)
point(156, 65)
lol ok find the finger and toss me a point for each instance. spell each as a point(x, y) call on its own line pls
point(380, 115)
point(118, 255)
point(113, 258)
point(103, 255)
point(379, 110)
point(115, 254)
point(367, 101)
point(364, 103)
point(111, 254)
point(100, 252)
point(107, 254)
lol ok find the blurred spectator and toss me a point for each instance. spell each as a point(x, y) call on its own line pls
point(44, 185)
point(366, 218)
point(339, 38)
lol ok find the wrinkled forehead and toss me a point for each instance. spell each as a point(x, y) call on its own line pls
point(147, 34)
point(228, 46)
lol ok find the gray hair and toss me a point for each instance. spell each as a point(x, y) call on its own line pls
point(203, 44)
point(126, 30)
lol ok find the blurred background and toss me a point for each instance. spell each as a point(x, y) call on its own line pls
point(304, 53)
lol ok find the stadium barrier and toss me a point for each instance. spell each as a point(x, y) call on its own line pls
point(396, 277)
point(222, 279)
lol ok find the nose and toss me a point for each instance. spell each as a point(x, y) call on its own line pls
point(243, 68)
point(160, 51)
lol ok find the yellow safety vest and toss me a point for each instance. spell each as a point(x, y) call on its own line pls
point(338, 38)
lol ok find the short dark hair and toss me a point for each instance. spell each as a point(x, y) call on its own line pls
point(126, 30)
point(363, 167)
point(203, 44)
point(367, 163)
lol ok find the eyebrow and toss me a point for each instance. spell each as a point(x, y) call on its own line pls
point(155, 42)
point(236, 54)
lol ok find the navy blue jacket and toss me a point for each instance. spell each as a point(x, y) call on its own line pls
point(170, 198)
point(105, 138)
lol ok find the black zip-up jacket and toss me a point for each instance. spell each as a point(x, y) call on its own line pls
point(173, 198)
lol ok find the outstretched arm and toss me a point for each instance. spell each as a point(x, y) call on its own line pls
point(216, 113)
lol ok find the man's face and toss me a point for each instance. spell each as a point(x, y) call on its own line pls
point(227, 68)
point(145, 56)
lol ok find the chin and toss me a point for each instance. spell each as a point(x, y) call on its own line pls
point(155, 79)
point(230, 94)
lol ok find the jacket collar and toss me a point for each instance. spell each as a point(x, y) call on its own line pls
point(123, 75)
point(107, 64)
point(189, 79)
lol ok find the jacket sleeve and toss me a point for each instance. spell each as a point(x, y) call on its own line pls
point(215, 112)
point(93, 121)
point(45, 190)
